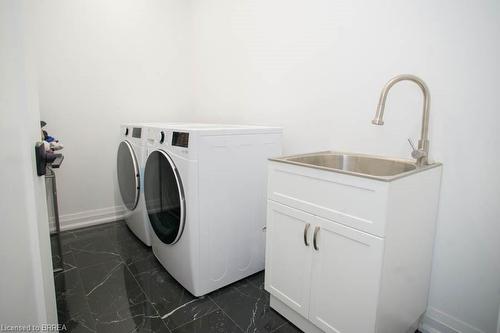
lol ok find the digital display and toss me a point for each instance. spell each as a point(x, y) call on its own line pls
point(136, 132)
point(180, 139)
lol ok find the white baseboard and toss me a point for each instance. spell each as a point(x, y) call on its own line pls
point(498, 324)
point(436, 321)
point(91, 217)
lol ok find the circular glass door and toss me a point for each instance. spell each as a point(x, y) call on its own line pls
point(164, 197)
point(128, 175)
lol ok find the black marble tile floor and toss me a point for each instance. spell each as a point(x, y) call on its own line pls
point(111, 282)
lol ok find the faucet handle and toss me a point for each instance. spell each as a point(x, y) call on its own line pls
point(411, 144)
point(416, 153)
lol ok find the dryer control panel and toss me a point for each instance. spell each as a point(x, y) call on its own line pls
point(180, 139)
point(176, 141)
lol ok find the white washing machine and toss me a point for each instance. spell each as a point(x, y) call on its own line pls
point(205, 194)
point(130, 168)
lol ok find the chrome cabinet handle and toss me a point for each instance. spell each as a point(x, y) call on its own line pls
point(306, 229)
point(315, 244)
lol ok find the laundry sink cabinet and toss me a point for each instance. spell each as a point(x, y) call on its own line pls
point(350, 254)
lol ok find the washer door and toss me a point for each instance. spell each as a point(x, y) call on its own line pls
point(128, 175)
point(164, 197)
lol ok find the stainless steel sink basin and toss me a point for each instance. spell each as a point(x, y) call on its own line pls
point(374, 167)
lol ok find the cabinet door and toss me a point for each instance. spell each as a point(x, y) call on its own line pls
point(288, 255)
point(346, 269)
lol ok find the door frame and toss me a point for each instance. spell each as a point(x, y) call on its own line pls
point(27, 282)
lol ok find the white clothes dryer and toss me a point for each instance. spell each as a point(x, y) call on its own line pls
point(130, 167)
point(205, 194)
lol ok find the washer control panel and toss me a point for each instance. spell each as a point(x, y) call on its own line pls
point(136, 132)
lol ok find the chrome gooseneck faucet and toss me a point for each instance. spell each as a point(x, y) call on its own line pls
point(421, 154)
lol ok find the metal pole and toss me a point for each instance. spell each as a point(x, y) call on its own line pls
point(52, 176)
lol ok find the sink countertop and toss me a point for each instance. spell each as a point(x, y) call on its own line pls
point(289, 159)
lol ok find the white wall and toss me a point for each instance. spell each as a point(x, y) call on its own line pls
point(26, 280)
point(317, 67)
point(103, 63)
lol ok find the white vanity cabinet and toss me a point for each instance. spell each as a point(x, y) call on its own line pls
point(348, 254)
